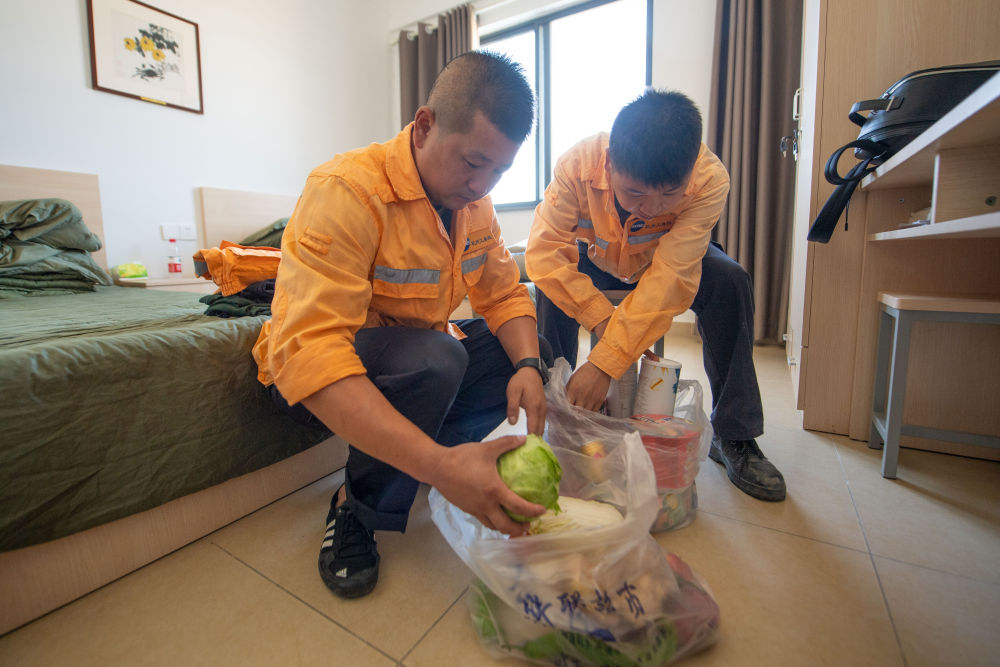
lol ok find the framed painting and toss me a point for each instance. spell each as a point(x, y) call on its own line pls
point(142, 52)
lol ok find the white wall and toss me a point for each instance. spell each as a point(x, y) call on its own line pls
point(286, 86)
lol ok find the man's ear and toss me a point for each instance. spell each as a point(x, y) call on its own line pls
point(423, 121)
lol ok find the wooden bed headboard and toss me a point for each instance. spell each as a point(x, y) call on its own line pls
point(231, 215)
point(81, 189)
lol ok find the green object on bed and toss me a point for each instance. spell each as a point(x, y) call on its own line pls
point(45, 249)
point(269, 236)
point(119, 400)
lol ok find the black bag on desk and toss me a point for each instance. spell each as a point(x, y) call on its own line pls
point(906, 109)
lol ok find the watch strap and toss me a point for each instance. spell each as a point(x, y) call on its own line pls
point(537, 364)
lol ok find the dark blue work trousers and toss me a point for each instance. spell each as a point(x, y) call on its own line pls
point(455, 391)
point(724, 308)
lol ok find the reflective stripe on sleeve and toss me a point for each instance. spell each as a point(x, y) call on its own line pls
point(473, 263)
point(645, 238)
point(407, 276)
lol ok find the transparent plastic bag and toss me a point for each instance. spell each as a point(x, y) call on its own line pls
point(676, 446)
point(600, 596)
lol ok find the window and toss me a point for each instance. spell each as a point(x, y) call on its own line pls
point(584, 64)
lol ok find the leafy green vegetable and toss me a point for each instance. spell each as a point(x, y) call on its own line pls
point(532, 471)
point(576, 514)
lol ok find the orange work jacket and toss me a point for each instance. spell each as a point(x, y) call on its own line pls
point(662, 254)
point(364, 248)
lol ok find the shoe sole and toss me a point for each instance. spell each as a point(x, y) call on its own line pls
point(339, 588)
point(751, 490)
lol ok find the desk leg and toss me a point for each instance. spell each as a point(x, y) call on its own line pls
point(897, 392)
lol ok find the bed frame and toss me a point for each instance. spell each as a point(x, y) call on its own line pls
point(37, 579)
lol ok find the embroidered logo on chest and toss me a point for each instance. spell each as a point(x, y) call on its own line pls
point(477, 239)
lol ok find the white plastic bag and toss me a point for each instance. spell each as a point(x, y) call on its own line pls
point(601, 596)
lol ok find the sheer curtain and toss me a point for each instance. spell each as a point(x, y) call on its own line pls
point(755, 74)
point(422, 55)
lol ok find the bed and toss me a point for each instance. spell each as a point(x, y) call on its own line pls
point(133, 422)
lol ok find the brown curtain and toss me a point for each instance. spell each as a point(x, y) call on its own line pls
point(755, 74)
point(423, 55)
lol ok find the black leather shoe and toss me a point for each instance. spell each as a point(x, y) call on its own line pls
point(748, 468)
point(348, 560)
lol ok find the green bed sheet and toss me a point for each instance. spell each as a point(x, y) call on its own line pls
point(120, 400)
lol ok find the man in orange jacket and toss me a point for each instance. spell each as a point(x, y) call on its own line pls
point(383, 245)
point(634, 211)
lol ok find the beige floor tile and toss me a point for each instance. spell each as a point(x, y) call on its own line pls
point(943, 512)
point(419, 579)
point(786, 600)
point(818, 503)
point(198, 606)
point(942, 619)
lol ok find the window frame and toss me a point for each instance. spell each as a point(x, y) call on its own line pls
point(540, 26)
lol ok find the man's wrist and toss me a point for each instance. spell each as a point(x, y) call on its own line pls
point(537, 364)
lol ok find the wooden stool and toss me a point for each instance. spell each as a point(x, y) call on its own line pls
point(898, 312)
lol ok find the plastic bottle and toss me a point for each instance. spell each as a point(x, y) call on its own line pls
point(174, 258)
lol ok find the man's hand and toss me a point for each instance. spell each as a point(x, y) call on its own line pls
point(467, 476)
point(588, 387)
point(525, 391)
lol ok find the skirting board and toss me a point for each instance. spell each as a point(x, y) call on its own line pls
point(37, 579)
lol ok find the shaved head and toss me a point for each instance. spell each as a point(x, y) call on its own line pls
point(487, 82)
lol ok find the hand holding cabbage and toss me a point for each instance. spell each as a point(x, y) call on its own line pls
point(532, 471)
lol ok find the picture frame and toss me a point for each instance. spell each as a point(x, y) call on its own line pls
point(145, 53)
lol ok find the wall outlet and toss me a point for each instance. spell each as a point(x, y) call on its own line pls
point(180, 232)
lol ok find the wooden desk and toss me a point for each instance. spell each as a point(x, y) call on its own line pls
point(953, 168)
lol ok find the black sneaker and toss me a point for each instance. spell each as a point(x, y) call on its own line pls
point(348, 560)
point(748, 468)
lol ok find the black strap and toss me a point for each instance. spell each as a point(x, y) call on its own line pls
point(826, 220)
point(860, 170)
point(880, 104)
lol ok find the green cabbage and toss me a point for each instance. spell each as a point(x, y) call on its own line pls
point(532, 471)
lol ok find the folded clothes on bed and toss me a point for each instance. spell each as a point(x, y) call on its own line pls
point(45, 249)
point(254, 300)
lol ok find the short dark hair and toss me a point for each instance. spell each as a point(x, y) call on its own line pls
point(488, 82)
point(656, 137)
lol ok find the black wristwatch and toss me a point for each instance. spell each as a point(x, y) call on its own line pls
point(537, 364)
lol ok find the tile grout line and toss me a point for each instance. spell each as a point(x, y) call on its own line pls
point(299, 599)
point(871, 556)
point(432, 626)
point(994, 584)
point(785, 532)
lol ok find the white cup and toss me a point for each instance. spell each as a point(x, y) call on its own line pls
point(621, 394)
point(657, 388)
